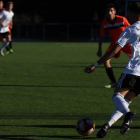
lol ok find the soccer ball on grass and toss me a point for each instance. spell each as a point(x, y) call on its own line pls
point(85, 126)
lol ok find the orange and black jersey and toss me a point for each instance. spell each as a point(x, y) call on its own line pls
point(2, 9)
point(114, 29)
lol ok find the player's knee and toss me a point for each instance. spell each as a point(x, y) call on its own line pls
point(7, 42)
point(107, 64)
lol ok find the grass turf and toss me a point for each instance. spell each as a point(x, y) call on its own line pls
point(44, 91)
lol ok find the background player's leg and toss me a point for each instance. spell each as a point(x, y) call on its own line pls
point(3, 46)
point(9, 47)
point(10, 44)
point(110, 74)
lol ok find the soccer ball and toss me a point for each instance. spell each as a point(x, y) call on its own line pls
point(85, 126)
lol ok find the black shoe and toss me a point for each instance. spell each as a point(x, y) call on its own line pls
point(129, 117)
point(102, 133)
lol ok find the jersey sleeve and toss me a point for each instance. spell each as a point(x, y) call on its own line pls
point(126, 23)
point(102, 30)
point(124, 38)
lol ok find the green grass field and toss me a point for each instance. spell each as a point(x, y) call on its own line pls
point(44, 91)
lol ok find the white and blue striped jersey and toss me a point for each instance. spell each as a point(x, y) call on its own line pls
point(5, 17)
point(132, 35)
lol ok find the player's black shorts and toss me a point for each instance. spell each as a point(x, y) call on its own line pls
point(4, 34)
point(129, 81)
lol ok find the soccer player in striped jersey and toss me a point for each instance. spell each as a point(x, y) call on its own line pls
point(6, 19)
point(9, 47)
point(114, 25)
point(128, 85)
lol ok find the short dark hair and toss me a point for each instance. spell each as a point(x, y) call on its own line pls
point(110, 5)
point(10, 2)
point(134, 7)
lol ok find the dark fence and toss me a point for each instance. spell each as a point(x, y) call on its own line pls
point(56, 31)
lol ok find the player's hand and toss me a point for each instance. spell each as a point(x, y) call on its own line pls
point(89, 69)
point(99, 53)
point(2, 25)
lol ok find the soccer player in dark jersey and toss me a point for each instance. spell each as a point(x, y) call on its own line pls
point(114, 25)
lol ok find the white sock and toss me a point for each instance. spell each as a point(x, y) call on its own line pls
point(120, 103)
point(6, 43)
point(116, 115)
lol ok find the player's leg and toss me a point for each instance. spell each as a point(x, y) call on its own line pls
point(110, 74)
point(130, 116)
point(10, 44)
point(3, 38)
point(132, 83)
point(109, 69)
point(5, 43)
point(134, 92)
point(121, 98)
point(104, 129)
point(116, 115)
point(9, 47)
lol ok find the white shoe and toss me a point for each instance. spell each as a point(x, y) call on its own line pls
point(1, 53)
point(111, 85)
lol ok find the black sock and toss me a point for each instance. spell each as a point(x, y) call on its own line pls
point(110, 74)
point(7, 48)
point(10, 45)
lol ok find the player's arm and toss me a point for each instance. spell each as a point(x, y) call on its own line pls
point(1, 23)
point(1, 14)
point(102, 31)
point(99, 53)
point(11, 23)
point(124, 39)
point(107, 56)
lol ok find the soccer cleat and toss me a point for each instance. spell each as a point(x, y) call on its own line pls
point(11, 50)
point(7, 52)
point(1, 53)
point(129, 117)
point(103, 131)
point(111, 85)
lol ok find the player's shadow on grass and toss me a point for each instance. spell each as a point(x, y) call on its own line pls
point(14, 137)
point(100, 67)
point(73, 126)
point(31, 137)
point(45, 86)
point(63, 126)
point(34, 137)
